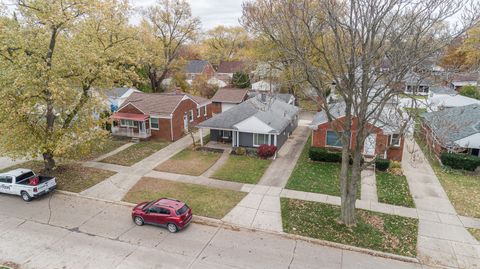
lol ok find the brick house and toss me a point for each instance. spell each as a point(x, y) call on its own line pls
point(226, 98)
point(195, 68)
point(226, 69)
point(384, 141)
point(160, 115)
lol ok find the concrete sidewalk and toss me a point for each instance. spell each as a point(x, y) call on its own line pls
point(7, 162)
point(442, 237)
point(60, 231)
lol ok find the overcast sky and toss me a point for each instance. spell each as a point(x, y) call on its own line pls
point(211, 12)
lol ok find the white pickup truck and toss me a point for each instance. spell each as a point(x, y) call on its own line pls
point(25, 183)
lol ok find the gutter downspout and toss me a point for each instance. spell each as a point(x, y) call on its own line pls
point(171, 127)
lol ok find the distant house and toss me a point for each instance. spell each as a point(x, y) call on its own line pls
point(226, 69)
point(464, 79)
point(265, 86)
point(117, 96)
point(385, 140)
point(226, 98)
point(196, 68)
point(259, 120)
point(416, 84)
point(159, 115)
point(454, 129)
point(439, 102)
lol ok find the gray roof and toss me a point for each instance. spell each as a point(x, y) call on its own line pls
point(337, 110)
point(442, 90)
point(284, 97)
point(273, 112)
point(412, 78)
point(117, 92)
point(195, 66)
point(452, 124)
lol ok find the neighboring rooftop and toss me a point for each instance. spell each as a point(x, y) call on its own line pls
point(466, 77)
point(412, 78)
point(231, 67)
point(271, 111)
point(452, 124)
point(230, 95)
point(196, 66)
point(452, 101)
point(117, 92)
point(442, 90)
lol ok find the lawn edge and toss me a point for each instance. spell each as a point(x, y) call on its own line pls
point(222, 224)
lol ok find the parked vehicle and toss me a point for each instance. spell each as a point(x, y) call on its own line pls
point(170, 213)
point(26, 184)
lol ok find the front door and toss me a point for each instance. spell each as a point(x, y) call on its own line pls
point(185, 123)
point(370, 144)
point(141, 127)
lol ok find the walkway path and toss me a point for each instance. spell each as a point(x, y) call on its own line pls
point(369, 185)
point(220, 162)
point(442, 237)
point(115, 187)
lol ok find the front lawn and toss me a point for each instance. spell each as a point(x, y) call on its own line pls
point(475, 233)
point(393, 189)
point(136, 152)
point(204, 201)
point(381, 232)
point(243, 169)
point(190, 162)
point(71, 177)
point(316, 177)
point(463, 188)
point(104, 147)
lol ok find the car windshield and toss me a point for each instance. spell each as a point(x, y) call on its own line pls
point(182, 210)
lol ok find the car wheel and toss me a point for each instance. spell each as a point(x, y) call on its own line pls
point(138, 221)
point(172, 228)
point(25, 196)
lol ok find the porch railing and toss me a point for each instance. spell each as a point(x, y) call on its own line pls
point(130, 132)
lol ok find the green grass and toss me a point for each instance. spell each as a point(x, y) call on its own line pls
point(242, 169)
point(393, 189)
point(475, 233)
point(463, 188)
point(315, 176)
point(71, 177)
point(189, 162)
point(418, 97)
point(204, 201)
point(136, 152)
point(105, 147)
point(381, 232)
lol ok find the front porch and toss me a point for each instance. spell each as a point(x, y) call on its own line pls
point(131, 125)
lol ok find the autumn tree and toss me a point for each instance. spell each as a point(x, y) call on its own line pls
point(225, 43)
point(57, 55)
point(346, 42)
point(201, 87)
point(167, 26)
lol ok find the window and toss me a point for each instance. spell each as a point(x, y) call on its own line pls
point(198, 112)
point(260, 139)
point(190, 115)
point(205, 111)
point(5, 179)
point(164, 211)
point(182, 210)
point(128, 123)
point(154, 123)
point(395, 140)
point(333, 140)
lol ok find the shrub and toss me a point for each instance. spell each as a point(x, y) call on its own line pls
point(240, 151)
point(382, 164)
point(323, 155)
point(266, 151)
point(395, 165)
point(460, 161)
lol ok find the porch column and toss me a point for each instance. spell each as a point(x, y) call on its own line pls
point(238, 138)
point(201, 137)
point(269, 139)
point(275, 140)
point(233, 139)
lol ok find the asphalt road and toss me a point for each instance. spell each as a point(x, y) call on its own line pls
point(62, 231)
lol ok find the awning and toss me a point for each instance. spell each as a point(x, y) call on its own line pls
point(129, 116)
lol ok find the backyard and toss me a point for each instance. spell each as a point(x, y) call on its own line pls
point(189, 162)
point(382, 232)
point(243, 169)
point(136, 152)
point(204, 201)
point(71, 177)
point(463, 188)
point(393, 189)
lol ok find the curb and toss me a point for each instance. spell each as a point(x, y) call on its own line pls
point(219, 223)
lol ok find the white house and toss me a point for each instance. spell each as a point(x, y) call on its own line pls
point(117, 96)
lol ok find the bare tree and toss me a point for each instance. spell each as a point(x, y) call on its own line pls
point(167, 26)
point(346, 42)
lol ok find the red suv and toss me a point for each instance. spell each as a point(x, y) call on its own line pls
point(170, 213)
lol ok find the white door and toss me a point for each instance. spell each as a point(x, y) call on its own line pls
point(6, 185)
point(185, 123)
point(370, 144)
point(141, 127)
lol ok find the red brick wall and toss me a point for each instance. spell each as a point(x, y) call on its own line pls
point(209, 71)
point(319, 139)
point(216, 108)
point(429, 139)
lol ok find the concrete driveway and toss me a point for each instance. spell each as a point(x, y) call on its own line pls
point(61, 231)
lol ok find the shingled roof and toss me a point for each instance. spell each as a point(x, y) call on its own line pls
point(195, 66)
point(230, 95)
point(230, 67)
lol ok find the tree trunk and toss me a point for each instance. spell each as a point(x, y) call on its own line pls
point(49, 161)
point(152, 76)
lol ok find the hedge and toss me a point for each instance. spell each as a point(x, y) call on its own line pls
point(323, 155)
point(460, 161)
point(382, 164)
